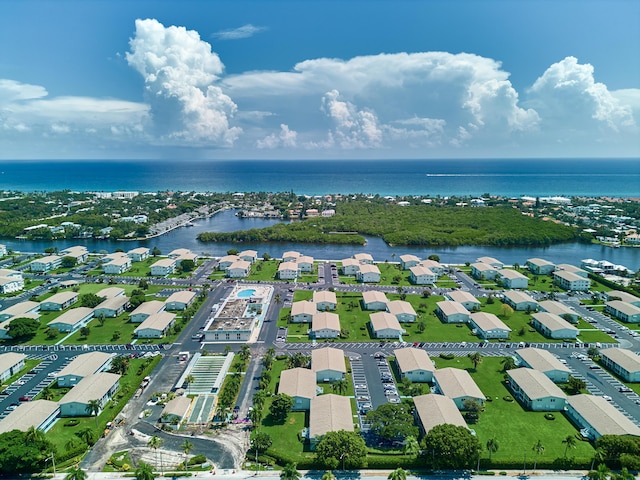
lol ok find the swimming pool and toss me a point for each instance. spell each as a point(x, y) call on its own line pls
point(245, 293)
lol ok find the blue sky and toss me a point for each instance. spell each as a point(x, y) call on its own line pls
point(319, 79)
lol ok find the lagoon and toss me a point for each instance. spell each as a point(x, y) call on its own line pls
point(226, 221)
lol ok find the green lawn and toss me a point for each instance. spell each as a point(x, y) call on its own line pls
point(28, 365)
point(516, 429)
point(264, 270)
point(104, 334)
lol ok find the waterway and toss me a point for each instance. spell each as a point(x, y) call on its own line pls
point(226, 221)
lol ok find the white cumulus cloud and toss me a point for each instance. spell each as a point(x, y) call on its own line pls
point(353, 128)
point(245, 31)
point(284, 138)
point(180, 72)
point(11, 91)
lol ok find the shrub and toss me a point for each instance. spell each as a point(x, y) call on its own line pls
point(447, 356)
point(197, 459)
point(508, 398)
point(71, 423)
point(549, 416)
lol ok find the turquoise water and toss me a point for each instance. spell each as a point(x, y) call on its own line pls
point(245, 293)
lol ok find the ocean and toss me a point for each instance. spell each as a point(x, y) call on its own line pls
point(507, 177)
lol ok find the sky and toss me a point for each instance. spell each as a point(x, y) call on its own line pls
point(314, 79)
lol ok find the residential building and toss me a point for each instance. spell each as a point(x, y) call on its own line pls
point(163, 267)
point(512, 279)
point(10, 364)
point(239, 269)
point(59, 301)
point(571, 281)
point(553, 326)
point(374, 300)
point(117, 266)
point(82, 366)
point(432, 410)
point(180, 300)
point(303, 312)
point(560, 309)
point(483, 271)
point(145, 310)
point(329, 364)
point(179, 252)
point(402, 310)
point(435, 267)
point(408, 261)
point(452, 312)
point(422, 275)
point(623, 296)
point(469, 302)
point(175, 411)
point(385, 325)
point(45, 264)
point(11, 284)
point(299, 384)
point(325, 325)
point(100, 386)
point(520, 301)
point(155, 326)
point(305, 264)
point(325, 300)
point(535, 390)
point(364, 258)
point(497, 264)
point(572, 269)
point(540, 266)
point(111, 307)
point(328, 413)
point(138, 254)
point(624, 363)
point(226, 261)
point(458, 385)
point(192, 257)
point(111, 292)
point(250, 256)
point(72, 319)
point(288, 271)
point(596, 417)
point(290, 256)
point(487, 325)
point(545, 362)
point(39, 414)
point(627, 312)
point(414, 364)
point(79, 252)
point(350, 266)
point(368, 273)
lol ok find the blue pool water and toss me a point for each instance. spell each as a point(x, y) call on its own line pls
point(245, 293)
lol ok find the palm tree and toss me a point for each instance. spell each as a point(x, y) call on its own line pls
point(290, 472)
point(155, 442)
point(86, 435)
point(398, 474)
point(538, 448)
point(76, 473)
point(328, 475)
point(277, 298)
point(144, 472)
point(601, 473)
point(245, 352)
point(570, 442)
point(476, 359)
point(625, 474)
point(598, 456)
point(255, 416)
point(33, 435)
point(508, 363)
point(411, 446)
point(340, 386)
point(186, 448)
point(492, 446)
point(189, 379)
point(93, 408)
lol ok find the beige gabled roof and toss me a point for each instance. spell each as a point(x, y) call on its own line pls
point(298, 382)
point(324, 296)
point(111, 292)
point(369, 268)
point(165, 262)
point(288, 266)
point(434, 410)
point(330, 413)
point(541, 360)
point(291, 253)
point(328, 358)
point(457, 383)
point(183, 296)
point(511, 274)
point(400, 307)
point(539, 262)
point(409, 258)
point(361, 257)
point(534, 383)
point(139, 251)
point(248, 253)
point(412, 359)
point(488, 321)
point(570, 268)
point(28, 414)
point(483, 267)
point(157, 321)
point(419, 270)
point(627, 359)
point(624, 307)
point(350, 262)
point(372, 296)
point(178, 406)
point(73, 316)
point(449, 307)
point(556, 308)
point(9, 359)
point(229, 259)
point(516, 296)
point(430, 264)
point(304, 307)
point(490, 260)
point(21, 308)
point(150, 307)
point(461, 296)
point(568, 276)
point(602, 416)
point(304, 259)
point(553, 322)
point(61, 297)
point(85, 364)
point(624, 296)
point(91, 387)
point(114, 303)
point(240, 265)
point(325, 320)
point(382, 320)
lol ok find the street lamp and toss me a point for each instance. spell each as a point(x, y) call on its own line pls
point(342, 457)
point(53, 461)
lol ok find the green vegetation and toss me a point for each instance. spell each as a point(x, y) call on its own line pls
point(413, 225)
